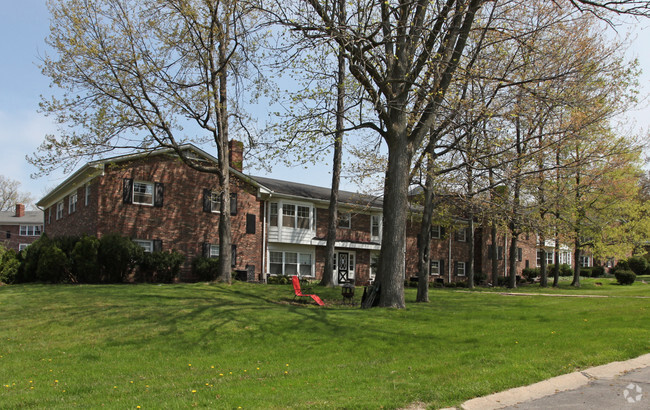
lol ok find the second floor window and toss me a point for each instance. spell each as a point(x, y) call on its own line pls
point(143, 193)
point(289, 216)
point(72, 203)
point(59, 210)
point(293, 216)
point(30, 230)
point(345, 220)
point(374, 226)
point(273, 215)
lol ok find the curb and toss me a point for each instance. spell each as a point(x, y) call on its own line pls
point(554, 385)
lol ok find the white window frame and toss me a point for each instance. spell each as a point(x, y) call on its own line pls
point(461, 235)
point(214, 251)
point(72, 203)
point(149, 186)
point(87, 194)
point(302, 218)
point(375, 222)
point(215, 202)
point(372, 271)
point(22, 246)
point(30, 230)
point(436, 232)
point(59, 210)
point(274, 212)
point(145, 244)
point(289, 218)
point(436, 263)
point(344, 220)
point(461, 268)
point(49, 215)
point(299, 263)
point(585, 261)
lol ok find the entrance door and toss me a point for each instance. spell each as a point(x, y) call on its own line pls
point(343, 267)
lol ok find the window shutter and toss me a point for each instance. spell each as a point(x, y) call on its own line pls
point(519, 254)
point(157, 245)
point(499, 253)
point(442, 266)
point(205, 249)
point(207, 199)
point(159, 191)
point(127, 191)
point(250, 223)
point(490, 251)
point(233, 203)
point(233, 256)
point(442, 232)
point(8, 235)
point(456, 268)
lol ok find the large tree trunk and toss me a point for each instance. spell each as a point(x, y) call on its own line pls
point(391, 272)
point(424, 246)
point(328, 273)
point(556, 268)
point(543, 268)
point(512, 260)
point(470, 261)
point(576, 264)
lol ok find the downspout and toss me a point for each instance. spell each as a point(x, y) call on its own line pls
point(449, 264)
point(505, 255)
point(264, 267)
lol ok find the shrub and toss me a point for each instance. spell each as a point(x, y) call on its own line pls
point(205, 269)
point(30, 256)
point(638, 264)
point(597, 271)
point(85, 267)
point(625, 277)
point(53, 265)
point(278, 280)
point(118, 256)
point(586, 272)
point(530, 273)
point(160, 267)
point(9, 264)
point(565, 270)
point(620, 265)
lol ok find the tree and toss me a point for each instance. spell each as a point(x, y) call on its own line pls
point(10, 194)
point(133, 74)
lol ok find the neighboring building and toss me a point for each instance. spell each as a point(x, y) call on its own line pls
point(278, 227)
point(19, 228)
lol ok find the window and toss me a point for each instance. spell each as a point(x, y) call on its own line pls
point(345, 220)
point(289, 216)
point(87, 196)
point(435, 267)
point(146, 245)
point(499, 252)
point(584, 261)
point(519, 254)
point(250, 223)
point(303, 217)
point(214, 251)
point(30, 230)
point(291, 263)
point(565, 257)
point(143, 193)
point(49, 215)
point(59, 210)
point(461, 235)
point(273, 214)
point(374, 226)
point(437, 232)
point(351, 264)
point(460, 268)
point(72, 203)
point(22, 246)
point(374, 264)
point(212, 201)
point(550, 256)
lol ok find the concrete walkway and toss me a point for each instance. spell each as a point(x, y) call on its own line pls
point(617, 385)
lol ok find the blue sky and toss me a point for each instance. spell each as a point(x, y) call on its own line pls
point(24, 25)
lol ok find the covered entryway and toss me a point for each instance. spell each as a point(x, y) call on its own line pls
point(344, 266)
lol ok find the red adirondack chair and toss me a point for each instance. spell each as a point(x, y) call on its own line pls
point(298, 292)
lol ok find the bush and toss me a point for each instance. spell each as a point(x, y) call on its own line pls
point(565, 270)
point(30, 256)
point(638, 264)
point(625, 277)
point(85, 267)
point(160, 267)
point(530, 273)
point(597, 271)
point(9, 264)
point(278, 280)
point(205, 269)
point(53, 265)
point(586, 272)
point(118, 257)
point(620, 265)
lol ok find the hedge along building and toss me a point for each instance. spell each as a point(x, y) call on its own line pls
point(278, 227)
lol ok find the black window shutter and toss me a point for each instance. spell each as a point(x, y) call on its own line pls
point(519, 254)
point(233, 256)
point(127, 191)
point(499, 252)
point(250, 223)
point(442, 266)
point(233, 203)
point(442, 231)
point(8, 234)
point(456, 268)
point(205, 249)
point(207, 200)
point(159, 194)
point(157, 245)
point(490, 251)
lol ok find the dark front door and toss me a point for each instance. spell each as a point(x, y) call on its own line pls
point(343, 265)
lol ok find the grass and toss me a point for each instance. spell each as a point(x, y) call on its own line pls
point(246, 345)
point(588, 286)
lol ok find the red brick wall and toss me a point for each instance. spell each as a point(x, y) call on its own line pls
point(362, 264)
point(359, 227)
point(180, 223)
point(82, 221)
point(14, 240)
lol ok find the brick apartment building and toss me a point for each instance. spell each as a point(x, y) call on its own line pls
point(278, 227)
point(19, 228)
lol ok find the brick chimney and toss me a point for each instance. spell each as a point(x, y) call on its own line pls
point(236, 150)
point(20, 210)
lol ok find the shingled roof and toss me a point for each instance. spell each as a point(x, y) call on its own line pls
point(294, 189)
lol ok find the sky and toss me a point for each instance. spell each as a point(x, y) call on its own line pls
point(24, 25)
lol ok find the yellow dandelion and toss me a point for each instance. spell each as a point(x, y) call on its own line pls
point(245, 370)
point(286, 372)
point(193, 391)
point(207, 384)
point(115, 387)
point(137, 407)
point(212, 367)
point(56, 381)
point(31, 388)
point(229, 372)
point(220, 374)
point(131, 382)
point(190, 365)
point(287, 364)
point(31, 381)
point(258, 368)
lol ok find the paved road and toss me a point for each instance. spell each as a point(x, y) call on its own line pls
point(629, 391)
point(618, 385)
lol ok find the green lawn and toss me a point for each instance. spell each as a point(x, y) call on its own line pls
point(217, 346)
